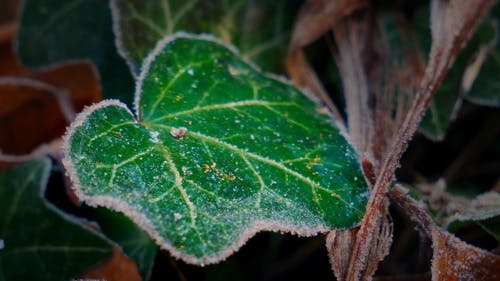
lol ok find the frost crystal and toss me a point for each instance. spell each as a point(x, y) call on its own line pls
point(154, 136)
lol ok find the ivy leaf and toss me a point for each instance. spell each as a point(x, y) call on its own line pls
point(259, 28)
point(38, 242)
point(53, 31)
point(215, 152)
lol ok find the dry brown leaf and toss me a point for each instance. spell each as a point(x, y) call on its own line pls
point(380, 246)
point(352, 36)
point(453, 259)
point(314, 19)
point(29, 114)
point(452, 22)
point(36, 106)
point(339, 246)
point(79, 79)
point(378, 82)
point(117, 268)
point(371, 78)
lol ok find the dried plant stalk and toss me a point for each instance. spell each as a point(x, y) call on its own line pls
point(452, 22)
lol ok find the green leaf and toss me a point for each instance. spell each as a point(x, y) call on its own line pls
point(448, 98)
point(443, 107)
point(39, 242)
point(216, 152)
point(134, 242)
point(53, 31)
point(486, 87)
point(259, 28)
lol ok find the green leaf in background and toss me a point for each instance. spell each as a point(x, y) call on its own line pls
point(259, 28)
point(443, 106)
point(134, 242)
point(53, 31)
point(448, 99)
point(215, 152)
point(39, 242)
point(485, 88)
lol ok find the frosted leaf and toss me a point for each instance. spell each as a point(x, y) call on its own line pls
point(207, 186)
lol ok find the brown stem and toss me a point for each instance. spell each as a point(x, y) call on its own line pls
point(442, 56)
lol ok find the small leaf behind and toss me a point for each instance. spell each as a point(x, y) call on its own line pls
point(54, 31)
point(259, 28)
point(38, 241)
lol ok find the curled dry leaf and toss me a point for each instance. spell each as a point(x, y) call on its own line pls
point(315, 18)
point(339, 246)
point(456, 260)
point(378, 92)
point(379, 247)
point(453, 259)
point(379, 81)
